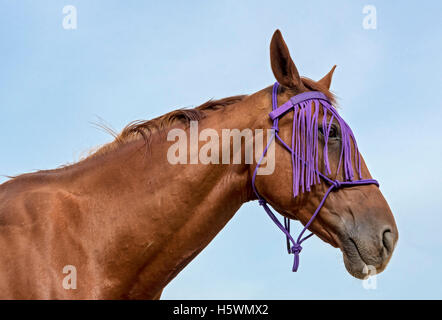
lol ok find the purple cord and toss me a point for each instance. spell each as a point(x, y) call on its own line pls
point(304, 152)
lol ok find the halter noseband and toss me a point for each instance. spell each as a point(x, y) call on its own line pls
point(304, 152)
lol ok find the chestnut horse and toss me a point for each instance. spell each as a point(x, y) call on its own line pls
point(126, 221)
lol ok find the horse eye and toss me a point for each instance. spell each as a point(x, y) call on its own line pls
point(333, 132)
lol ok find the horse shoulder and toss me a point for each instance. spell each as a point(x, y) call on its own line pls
point(33, 218)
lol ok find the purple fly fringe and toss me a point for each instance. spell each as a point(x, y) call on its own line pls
point(305, 145)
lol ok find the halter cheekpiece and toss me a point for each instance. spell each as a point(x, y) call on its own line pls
point(304, 152)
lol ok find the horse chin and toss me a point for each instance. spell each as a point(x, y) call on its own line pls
point(355, 267)
point(354, 262)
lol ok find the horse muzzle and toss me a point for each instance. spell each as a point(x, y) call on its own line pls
point(368, 248)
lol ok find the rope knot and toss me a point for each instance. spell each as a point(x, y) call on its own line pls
point(296, 249)
point(261, 202)
point(337, 184)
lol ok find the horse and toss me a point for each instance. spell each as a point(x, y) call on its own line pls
point(124, 221)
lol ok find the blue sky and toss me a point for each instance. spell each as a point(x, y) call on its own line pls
point(137, 60)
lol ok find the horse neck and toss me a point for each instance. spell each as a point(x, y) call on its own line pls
point(161, 215)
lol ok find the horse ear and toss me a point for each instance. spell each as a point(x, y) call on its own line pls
point(326, 81)
point(282, 64)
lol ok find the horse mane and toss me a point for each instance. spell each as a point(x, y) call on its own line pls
point(145, 128)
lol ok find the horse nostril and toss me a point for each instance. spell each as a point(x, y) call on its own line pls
point(388, 240)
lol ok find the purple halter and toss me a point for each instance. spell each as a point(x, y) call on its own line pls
point(305, 154)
